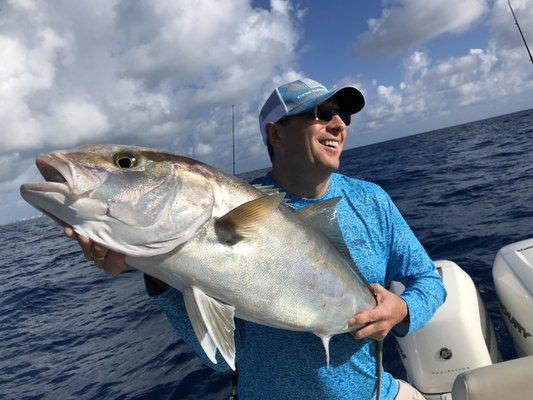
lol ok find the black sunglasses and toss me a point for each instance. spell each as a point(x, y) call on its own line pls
point(326, 113)
point(323, 113)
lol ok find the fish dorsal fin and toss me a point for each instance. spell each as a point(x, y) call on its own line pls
point(269, 190)
point(266, 189)
point(199, 327)
point(243, 221)
point(218, 319)
point(323, 217)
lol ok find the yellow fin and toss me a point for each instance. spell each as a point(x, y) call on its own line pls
point(243, 221)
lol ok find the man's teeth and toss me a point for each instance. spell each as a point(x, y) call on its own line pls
point(330, 143)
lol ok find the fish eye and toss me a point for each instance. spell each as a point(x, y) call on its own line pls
point(125, 160)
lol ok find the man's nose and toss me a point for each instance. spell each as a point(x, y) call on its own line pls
point(336, 124)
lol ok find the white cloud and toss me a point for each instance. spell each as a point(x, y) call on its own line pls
point(405, 23)
point(160, 73)
point(505, 35)
point(72, 121)
point(443, 87)
point(478, 84)
point(14, 170)
point(28, 5)
point(389, 101)
point(203, 149)
point(25, 70)
point(415, 63)
point(483, 82)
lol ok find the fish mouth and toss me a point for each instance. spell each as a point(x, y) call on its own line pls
point(61, 190)
point(56, 174)
point(54, 170)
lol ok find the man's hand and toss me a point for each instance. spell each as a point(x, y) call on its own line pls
point(391, 310)
point(111, 262)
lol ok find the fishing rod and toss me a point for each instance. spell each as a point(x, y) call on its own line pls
point(233, 134)
point(520, 30)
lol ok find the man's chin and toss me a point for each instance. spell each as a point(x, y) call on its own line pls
point(331, 161)
point(329, 165)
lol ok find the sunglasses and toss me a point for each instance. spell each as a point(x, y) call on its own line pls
point(325, 113)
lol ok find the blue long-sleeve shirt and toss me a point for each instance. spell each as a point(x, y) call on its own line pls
point(280, 364)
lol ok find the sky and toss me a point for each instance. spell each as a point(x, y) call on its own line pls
point(165, 73)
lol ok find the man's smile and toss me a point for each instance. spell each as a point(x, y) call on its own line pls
point(330, 143)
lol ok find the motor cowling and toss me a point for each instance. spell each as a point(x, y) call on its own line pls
point(513, 279)
point(458, 338)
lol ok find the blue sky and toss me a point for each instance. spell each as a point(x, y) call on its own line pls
point(164, 74)
point(324, 42)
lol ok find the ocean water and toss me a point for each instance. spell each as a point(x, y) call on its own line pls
point(69, 331)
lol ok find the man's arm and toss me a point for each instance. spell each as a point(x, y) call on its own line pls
point(409, 264)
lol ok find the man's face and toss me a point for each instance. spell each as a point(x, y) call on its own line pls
point(313, 144)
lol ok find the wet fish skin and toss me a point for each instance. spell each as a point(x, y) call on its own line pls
point(231, 250)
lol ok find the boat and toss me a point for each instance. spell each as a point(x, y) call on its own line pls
point(455, 355)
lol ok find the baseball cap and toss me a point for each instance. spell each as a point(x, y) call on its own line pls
point(302, 95)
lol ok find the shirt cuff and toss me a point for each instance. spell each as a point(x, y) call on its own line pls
point(402, 328)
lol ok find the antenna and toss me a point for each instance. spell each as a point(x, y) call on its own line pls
point(233, 134)
point(520, 30)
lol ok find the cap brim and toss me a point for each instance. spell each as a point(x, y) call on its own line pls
point(349, 98)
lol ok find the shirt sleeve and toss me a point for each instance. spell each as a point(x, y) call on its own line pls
point(410, 264)
point(172, 303)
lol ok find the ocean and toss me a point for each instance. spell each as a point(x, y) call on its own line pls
point(69, 331)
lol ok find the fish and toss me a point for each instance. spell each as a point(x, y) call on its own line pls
point(233, 250)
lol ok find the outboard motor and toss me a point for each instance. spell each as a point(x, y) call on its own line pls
point(512, 380)
point(513, 279)
point(458, 338)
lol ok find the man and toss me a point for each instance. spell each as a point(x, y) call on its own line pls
point(304, 127)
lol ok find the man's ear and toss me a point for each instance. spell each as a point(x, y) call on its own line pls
point(273, 134)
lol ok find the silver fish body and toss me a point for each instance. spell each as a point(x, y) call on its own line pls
point(229, 248)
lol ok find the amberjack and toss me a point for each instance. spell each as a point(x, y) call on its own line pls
point(232, 249)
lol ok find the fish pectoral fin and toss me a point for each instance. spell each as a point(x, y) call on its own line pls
point(197, 322)
point(243, 221)
point(218, 319)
